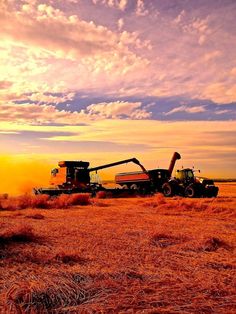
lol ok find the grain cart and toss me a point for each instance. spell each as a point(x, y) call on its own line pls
point(149, 181)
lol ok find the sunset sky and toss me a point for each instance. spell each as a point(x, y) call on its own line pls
point(103, 80)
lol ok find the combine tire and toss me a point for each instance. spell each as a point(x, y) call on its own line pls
point(168, 189)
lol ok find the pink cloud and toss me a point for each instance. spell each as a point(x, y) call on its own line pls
point(34, 113)
point(184, 108)
point(49, 28)
point(118, 109)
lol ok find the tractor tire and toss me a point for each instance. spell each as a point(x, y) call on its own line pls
point(192, 191)
point(168, 189)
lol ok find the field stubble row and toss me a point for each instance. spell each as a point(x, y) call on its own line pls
point(136, 255)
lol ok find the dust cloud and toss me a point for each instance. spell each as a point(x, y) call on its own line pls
point(20, 175)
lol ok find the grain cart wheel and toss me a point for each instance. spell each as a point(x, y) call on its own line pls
point(191, 191)
point(168, 189)
point(124, 187)
point(134, 187)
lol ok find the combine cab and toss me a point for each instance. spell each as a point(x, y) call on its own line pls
point(186, 184)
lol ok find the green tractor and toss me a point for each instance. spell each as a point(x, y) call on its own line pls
point(185, 183)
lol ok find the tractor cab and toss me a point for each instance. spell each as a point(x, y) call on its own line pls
point(185, 176)
point(70, 174)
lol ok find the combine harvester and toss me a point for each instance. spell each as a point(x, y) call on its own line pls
point(74, 177)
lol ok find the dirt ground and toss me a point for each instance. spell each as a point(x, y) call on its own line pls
point(128, 255)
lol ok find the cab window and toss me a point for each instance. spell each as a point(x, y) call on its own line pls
point(190, 174)
point(54, 172)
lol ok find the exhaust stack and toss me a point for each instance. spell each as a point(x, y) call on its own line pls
point(175, 157)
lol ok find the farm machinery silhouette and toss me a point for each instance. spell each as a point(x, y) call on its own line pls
point(74, 177)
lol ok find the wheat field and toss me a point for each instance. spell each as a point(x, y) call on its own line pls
point(124, 255)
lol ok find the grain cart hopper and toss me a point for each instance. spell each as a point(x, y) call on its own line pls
point(149, 181)
point(74, 177)
point(185, 183)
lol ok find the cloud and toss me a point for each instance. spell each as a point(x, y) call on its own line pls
point(118, 109)
point(5, 84)
point(198, 27)
point(30, 113)
point(221, 93)
point(122, 4)
point(49, 49)
point(50, 99)
point(180, 17)
point(184, 108)
point(45, 50)
point(118, 4)
point(51, 29)
point(219, 112)
point(202, 39)
point(140, 8)
point(43, 114)
point(120, 23)
point(212, 55)
point(233, 71)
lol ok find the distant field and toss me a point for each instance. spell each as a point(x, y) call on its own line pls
point(227, 189)
point(134, 255)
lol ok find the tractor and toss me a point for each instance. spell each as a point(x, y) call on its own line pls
point(185, 183)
